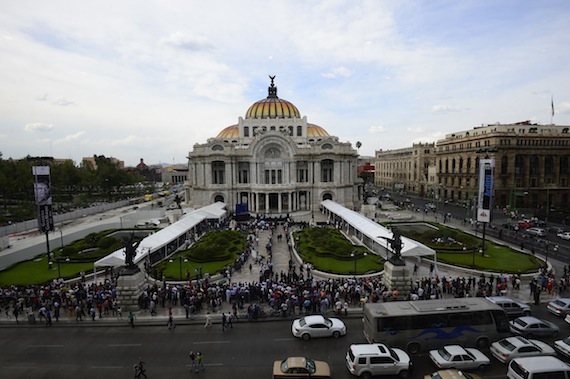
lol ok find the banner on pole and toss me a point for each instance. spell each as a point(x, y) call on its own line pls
point(485, 199)
point(42, 193)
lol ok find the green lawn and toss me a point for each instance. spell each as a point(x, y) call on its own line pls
point(36, 271)
point(328, 250)
point(499, 258)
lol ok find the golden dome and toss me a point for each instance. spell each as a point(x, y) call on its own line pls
point(316, 131)
point(272, 106)
point(229, 132)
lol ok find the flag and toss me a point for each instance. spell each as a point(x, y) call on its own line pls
point(552, 104)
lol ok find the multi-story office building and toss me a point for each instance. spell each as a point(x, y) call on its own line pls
point(274, 161)
point(531, 165)
point(406, 169)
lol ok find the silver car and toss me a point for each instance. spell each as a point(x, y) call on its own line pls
point(529, 326)
point(559, 307)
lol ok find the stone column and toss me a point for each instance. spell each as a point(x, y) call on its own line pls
point(130, 286)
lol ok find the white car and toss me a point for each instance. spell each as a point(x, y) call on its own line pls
point(564, 236)
point(559, 307)
point(455, 356)
point(518, 347)
point(538, 232)
point(318, 326)
point(563, 346)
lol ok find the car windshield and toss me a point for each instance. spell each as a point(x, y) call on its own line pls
point(520, 322)
point(505, 344)
point(560, 303)
point(311, 367)
point(394, 355)
point(566, 340)
point(302, 322)
point(328, 322)
point(444, 353)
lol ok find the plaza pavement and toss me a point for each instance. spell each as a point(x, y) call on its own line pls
point(280, 259)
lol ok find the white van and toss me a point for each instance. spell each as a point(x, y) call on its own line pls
point(538, 368)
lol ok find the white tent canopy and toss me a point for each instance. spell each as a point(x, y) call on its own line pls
point(375, 231)
point(164, 236)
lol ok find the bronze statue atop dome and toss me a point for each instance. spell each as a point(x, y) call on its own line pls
point(272, 90)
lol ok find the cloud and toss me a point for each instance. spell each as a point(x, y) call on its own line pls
point(336, 72)
point(69, 138)
point(377, 129)
point(417, 129)
point(186, 41)
point(43, 97)
point(562, 108)
point(38, 127)
point(444, 109)
point(63, 102)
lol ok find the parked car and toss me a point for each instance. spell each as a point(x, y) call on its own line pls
point(455, 356)
point(563, 346)
point(524, 224)
point(564, 236)
point(300, 367)
point(318, 326)
point(513, 308)
point(537, 232)
point(559, 307)
point(366, 360)
point(451, 374)
point(515, 347)
point(529, 326)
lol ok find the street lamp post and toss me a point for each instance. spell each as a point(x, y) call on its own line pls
point(61, 237)
point(353, 255)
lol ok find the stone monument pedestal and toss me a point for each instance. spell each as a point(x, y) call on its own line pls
point(130, 285)
point(397, 277)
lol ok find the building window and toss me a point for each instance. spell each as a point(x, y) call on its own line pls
point(504, 165)
point(302, 172)
point(519, 165)
point(564, 165)
point(327, 166)
point(243, 172)
point(218, 172)
point(246, 131)
point(533, 165)
point(549, 165)
point(299, 131)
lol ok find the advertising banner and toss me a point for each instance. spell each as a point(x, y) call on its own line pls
point(42, 193)
point(485, 203)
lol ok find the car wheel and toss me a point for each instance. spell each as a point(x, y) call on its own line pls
point(482, 343)
point(555, 333)
point(404, 374)
point(414, 348)
point(306, 336)
point(482, 367)
point(336, 334)
point(365, 375)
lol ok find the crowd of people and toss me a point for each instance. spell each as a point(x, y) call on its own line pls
point(290, 292)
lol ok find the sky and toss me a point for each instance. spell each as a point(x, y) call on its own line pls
point(149, 79)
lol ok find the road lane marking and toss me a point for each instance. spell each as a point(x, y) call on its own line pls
point(48, 346)
point(209, 342)
point(125, 345)
point(106, 367)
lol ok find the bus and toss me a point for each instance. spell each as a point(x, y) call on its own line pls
point(426, 324)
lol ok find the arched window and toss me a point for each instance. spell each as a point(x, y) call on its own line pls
point(246, 131)
point(217, 147)
point(299, 131)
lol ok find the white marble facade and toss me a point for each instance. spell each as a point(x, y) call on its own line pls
point(274, 161)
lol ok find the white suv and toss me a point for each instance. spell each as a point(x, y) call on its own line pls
point(367, 360)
